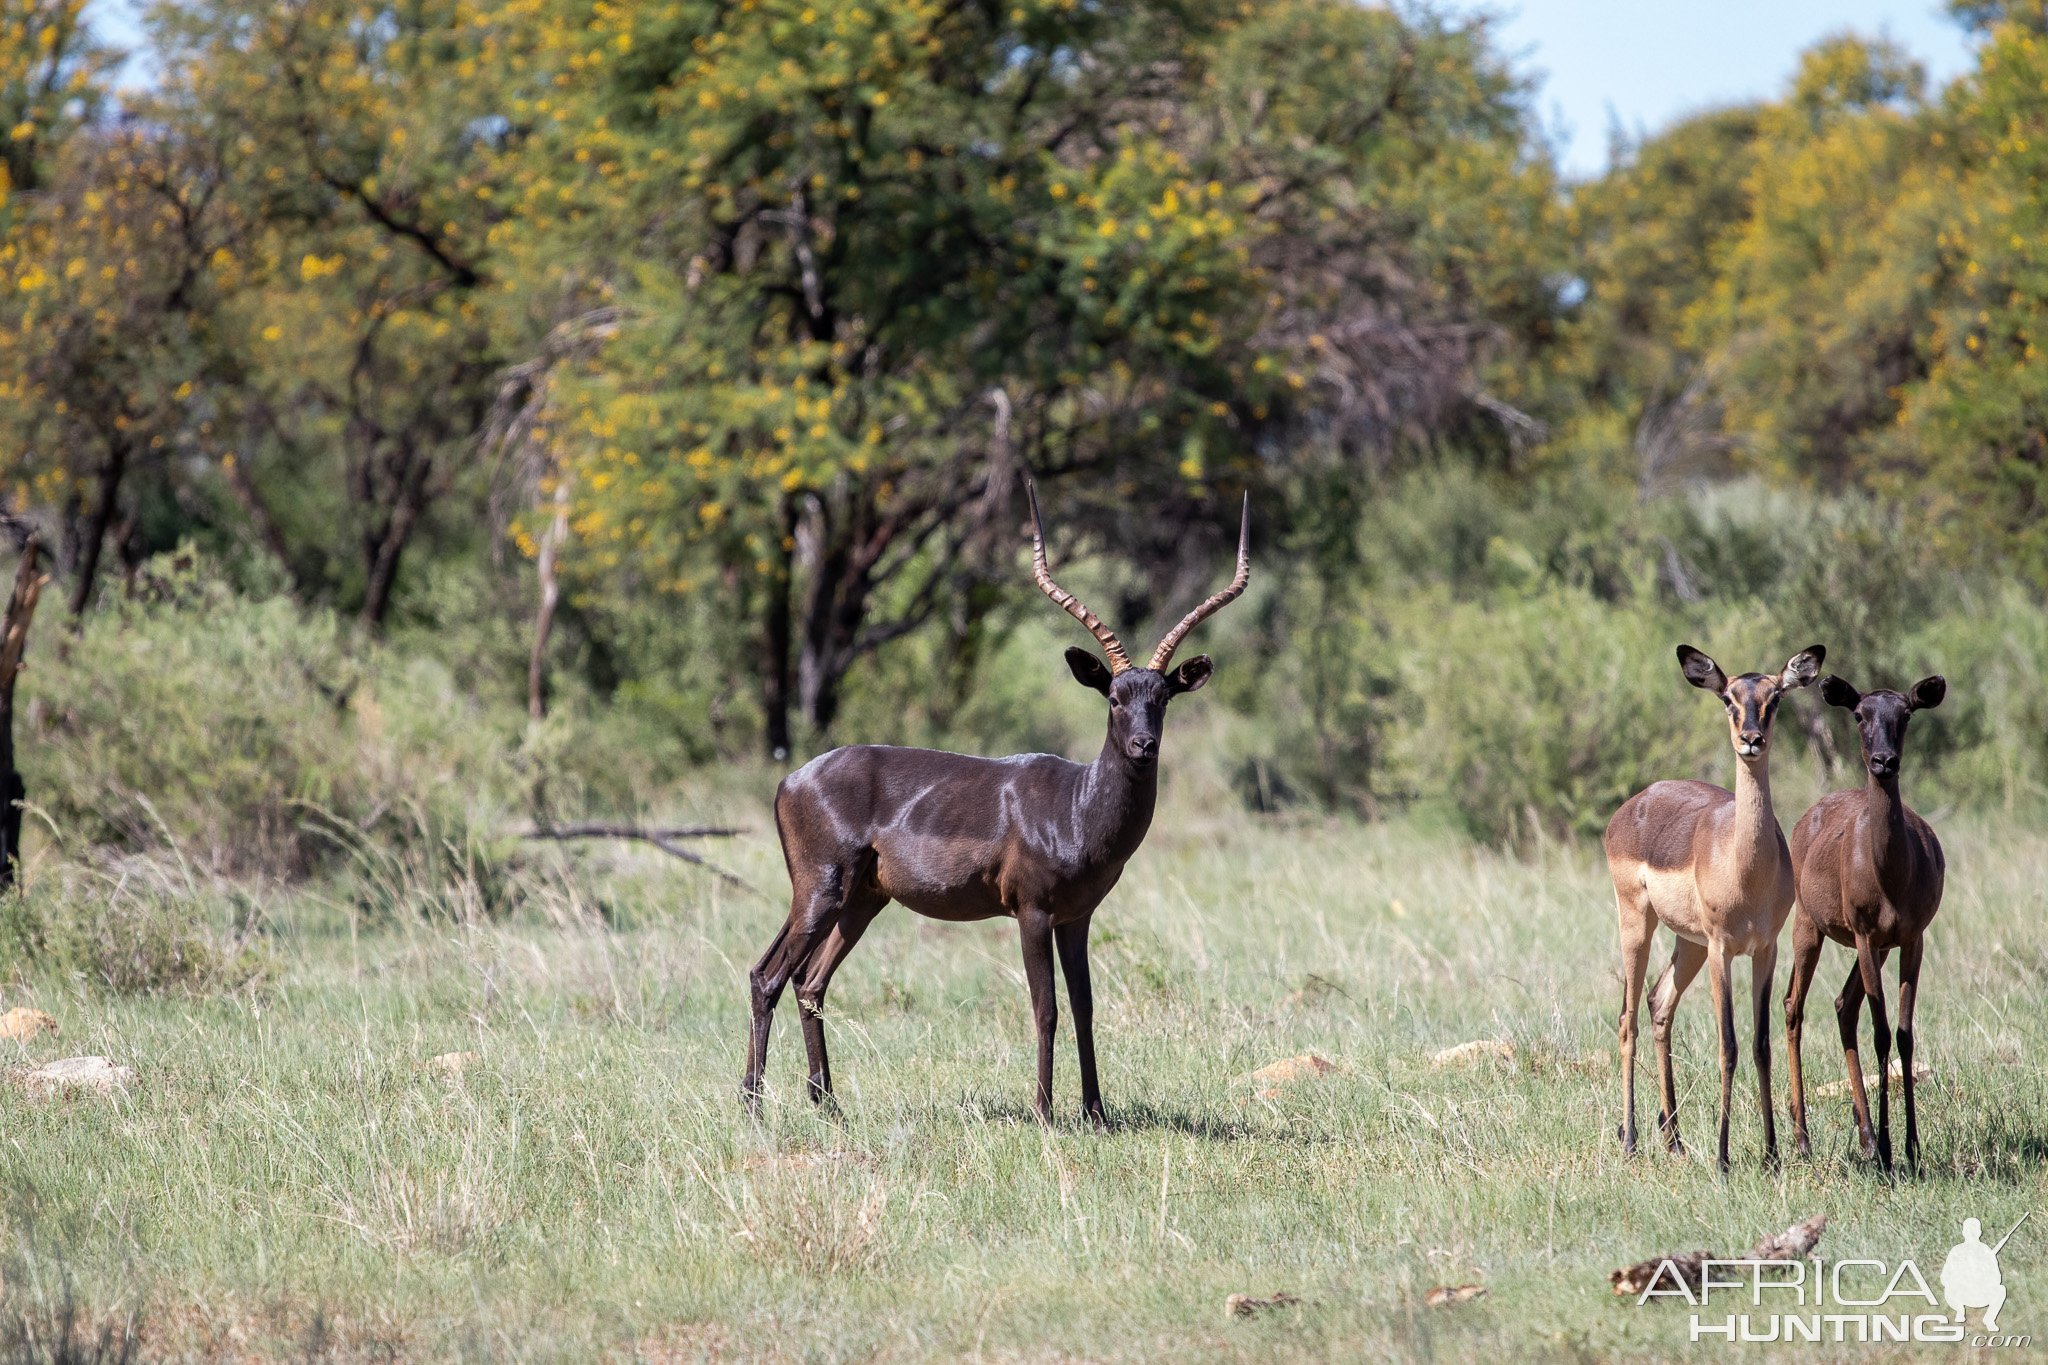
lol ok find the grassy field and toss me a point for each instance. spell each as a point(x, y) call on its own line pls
point(288, 1178)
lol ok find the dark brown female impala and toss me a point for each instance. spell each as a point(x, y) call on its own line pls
point(1034, 837)
point(1870, 877)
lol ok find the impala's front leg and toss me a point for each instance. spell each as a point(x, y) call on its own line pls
point(1724, 1024)
point(1072, 938)
point(1909, 988)
point(1035, 929)
point(1870, 967)
point(1763, 967)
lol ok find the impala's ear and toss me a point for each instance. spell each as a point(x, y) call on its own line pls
point(1836, 692)
point(1701, 671)
point(1802, 668)
point(1089, 671)
point(1190, 676)
point(1927, 693)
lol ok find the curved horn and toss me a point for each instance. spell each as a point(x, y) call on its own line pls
point(1072, 605)
point(1164, 654)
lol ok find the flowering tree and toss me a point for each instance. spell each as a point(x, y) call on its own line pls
point(872, 260)
point(356, 142)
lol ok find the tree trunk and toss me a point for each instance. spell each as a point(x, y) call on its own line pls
point(97, 521)
point(265, 522)
point(775, 639)
point(550, 597)
point(382, 551)
point(21, 609)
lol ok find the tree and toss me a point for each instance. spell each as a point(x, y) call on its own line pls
point(872, 261)
point(1811, 327)
point(50, 83)
point(1972, 440)
point(106, 299)
point(1651, 235)
point(359, 142)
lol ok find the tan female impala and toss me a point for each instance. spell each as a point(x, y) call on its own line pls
point(1712, 866)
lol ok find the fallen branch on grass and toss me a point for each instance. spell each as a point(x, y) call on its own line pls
point(663, 837)
point(1248, 1305)
point(1684, 1269)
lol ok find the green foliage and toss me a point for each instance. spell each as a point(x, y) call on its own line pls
point(51, 81)
point(862, 263)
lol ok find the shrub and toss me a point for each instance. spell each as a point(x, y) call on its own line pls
point(1541, 715)
point(138, 927)
point(218, 724)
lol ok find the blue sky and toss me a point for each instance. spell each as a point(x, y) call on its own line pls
point(1647, 62)
point(1642, 62)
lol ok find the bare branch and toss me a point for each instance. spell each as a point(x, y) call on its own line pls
point(661, 837)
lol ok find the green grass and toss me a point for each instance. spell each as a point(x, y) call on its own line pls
point(286, 1178)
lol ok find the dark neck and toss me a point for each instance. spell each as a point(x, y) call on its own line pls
point(1887, 818)
point(1115, 799)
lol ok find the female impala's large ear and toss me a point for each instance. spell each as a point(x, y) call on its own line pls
point(1190, 676)
point(1927, 693)
point(1802, 668)
point(1701, 671)
point(1089, 671)
point(1837, 692)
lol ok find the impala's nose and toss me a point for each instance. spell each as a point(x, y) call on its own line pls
point(1749, 743)
point(1142, 746)
point(1884, 764)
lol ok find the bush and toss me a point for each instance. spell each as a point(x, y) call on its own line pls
point(1540, 716)
point(139, 927)
point(203, 720)
point(1518, 671)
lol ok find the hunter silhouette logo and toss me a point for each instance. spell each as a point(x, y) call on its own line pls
point(1970, 1278)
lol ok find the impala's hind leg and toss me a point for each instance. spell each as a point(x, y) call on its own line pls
point(1848, 1006)
point(860, 912)
point(819, 897)
point(1687, 958)
point(1870, 967)
point(1806, 943)
point(1637, 926)
point(1072, 941)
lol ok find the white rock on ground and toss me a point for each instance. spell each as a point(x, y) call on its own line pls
point(97, 1075)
